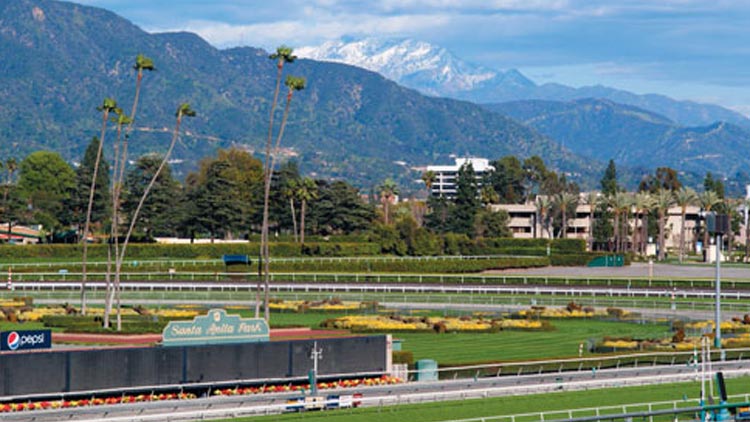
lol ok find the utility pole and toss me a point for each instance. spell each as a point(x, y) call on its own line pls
point(717, 337)
point(315, 354)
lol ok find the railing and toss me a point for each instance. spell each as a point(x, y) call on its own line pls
point(193, 262)
point(634, 411)
point(676, 284)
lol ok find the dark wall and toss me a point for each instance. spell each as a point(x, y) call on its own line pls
point(70, 371)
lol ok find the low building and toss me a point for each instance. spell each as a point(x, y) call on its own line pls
point(21, 235)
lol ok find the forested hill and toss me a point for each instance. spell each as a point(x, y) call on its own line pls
point(61, 59)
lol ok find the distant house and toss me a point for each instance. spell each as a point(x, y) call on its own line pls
point(445, 176)
point(21, 235)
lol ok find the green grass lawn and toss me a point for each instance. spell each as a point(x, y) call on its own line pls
point(446, 411)
point(454, 349)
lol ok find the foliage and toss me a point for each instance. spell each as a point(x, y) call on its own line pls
point(46, 181)
point(609, 180)
point(75, 206)
point(157, 217)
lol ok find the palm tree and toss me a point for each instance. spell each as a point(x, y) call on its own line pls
point(183, 110)
point(643, 203)
point(428, 178)
point(141, 63)
point(566, 200)
point(121, 120)
point(293, 84)
point(307, 190)
point(623, 202)
point(388, 190)
point(684, 198)
point(290, 191)
point(707, 200)
point(592, 200)
point(11, 165)
point(107, 106)
point(663, 200)
point(543, 204)
point(282, 55)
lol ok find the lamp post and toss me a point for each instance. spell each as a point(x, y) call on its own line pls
point(717, 337)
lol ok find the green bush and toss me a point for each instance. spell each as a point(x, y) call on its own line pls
point(571, 260)
point(410, 266)
point(216, 250)
point(403, 356)
point(568, 245)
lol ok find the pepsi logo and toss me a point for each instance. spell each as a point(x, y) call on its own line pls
point(13, 340)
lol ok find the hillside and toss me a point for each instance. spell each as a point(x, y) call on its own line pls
point(635, 137)
point(61, 60)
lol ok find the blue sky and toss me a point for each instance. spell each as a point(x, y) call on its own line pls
point(687, 49)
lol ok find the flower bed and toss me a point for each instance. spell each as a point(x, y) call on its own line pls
point(395, 323)
point(98, 401)
point(94, 401)
point(571, 311)
point(347, 383)
point(328, 305)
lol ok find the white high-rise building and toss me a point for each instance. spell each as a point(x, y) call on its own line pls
point(445, 176)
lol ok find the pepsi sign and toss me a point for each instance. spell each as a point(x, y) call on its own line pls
point(25, 340)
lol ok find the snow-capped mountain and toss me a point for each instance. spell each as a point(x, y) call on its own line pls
point(420, 65)
point(435, 71)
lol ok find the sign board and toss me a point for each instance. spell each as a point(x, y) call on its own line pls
point(25, 340)
point(216, 327)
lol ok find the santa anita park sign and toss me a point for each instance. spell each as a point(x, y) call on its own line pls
point(216, 327)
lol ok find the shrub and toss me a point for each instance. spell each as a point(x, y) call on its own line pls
point(403, 356)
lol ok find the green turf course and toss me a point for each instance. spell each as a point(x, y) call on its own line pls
point(446, 411)
point(466, 348)
point(463, 348)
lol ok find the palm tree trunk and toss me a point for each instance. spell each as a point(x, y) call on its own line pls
point(294, 219)
point(682, 235)
point(151, 183)
point(119, 178)
point(88, 210)
point(616, 231)
point(302, 222)
point(662, 245)
point(267, 257)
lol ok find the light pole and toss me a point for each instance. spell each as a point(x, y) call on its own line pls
point(717, 337)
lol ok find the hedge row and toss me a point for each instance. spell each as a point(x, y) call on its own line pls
point(412, 266)
point(174, 251)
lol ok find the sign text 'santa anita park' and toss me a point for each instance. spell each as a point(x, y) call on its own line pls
point(216, 327)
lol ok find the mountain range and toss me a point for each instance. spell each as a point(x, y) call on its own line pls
point(433, 70)
point(635, 138)
point(60, 60)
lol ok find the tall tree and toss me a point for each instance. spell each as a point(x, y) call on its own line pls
point(429, 177)
point(567, 202)
point(663, 200)
point(609, 180)
point(183, 110)
point(339, 209)
point(108, 106)
point(387, 191)
point(508, 179)
point(591, 199)
point(643, 203)
point(121, 159)
point(684, 197)
point(712, 184)
point(282, 56)
point(293, 84)
point(307, 191)
point(46, 182)
point(217, 208)
point(544, 218)
point(466, 203)
point(289, 191)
